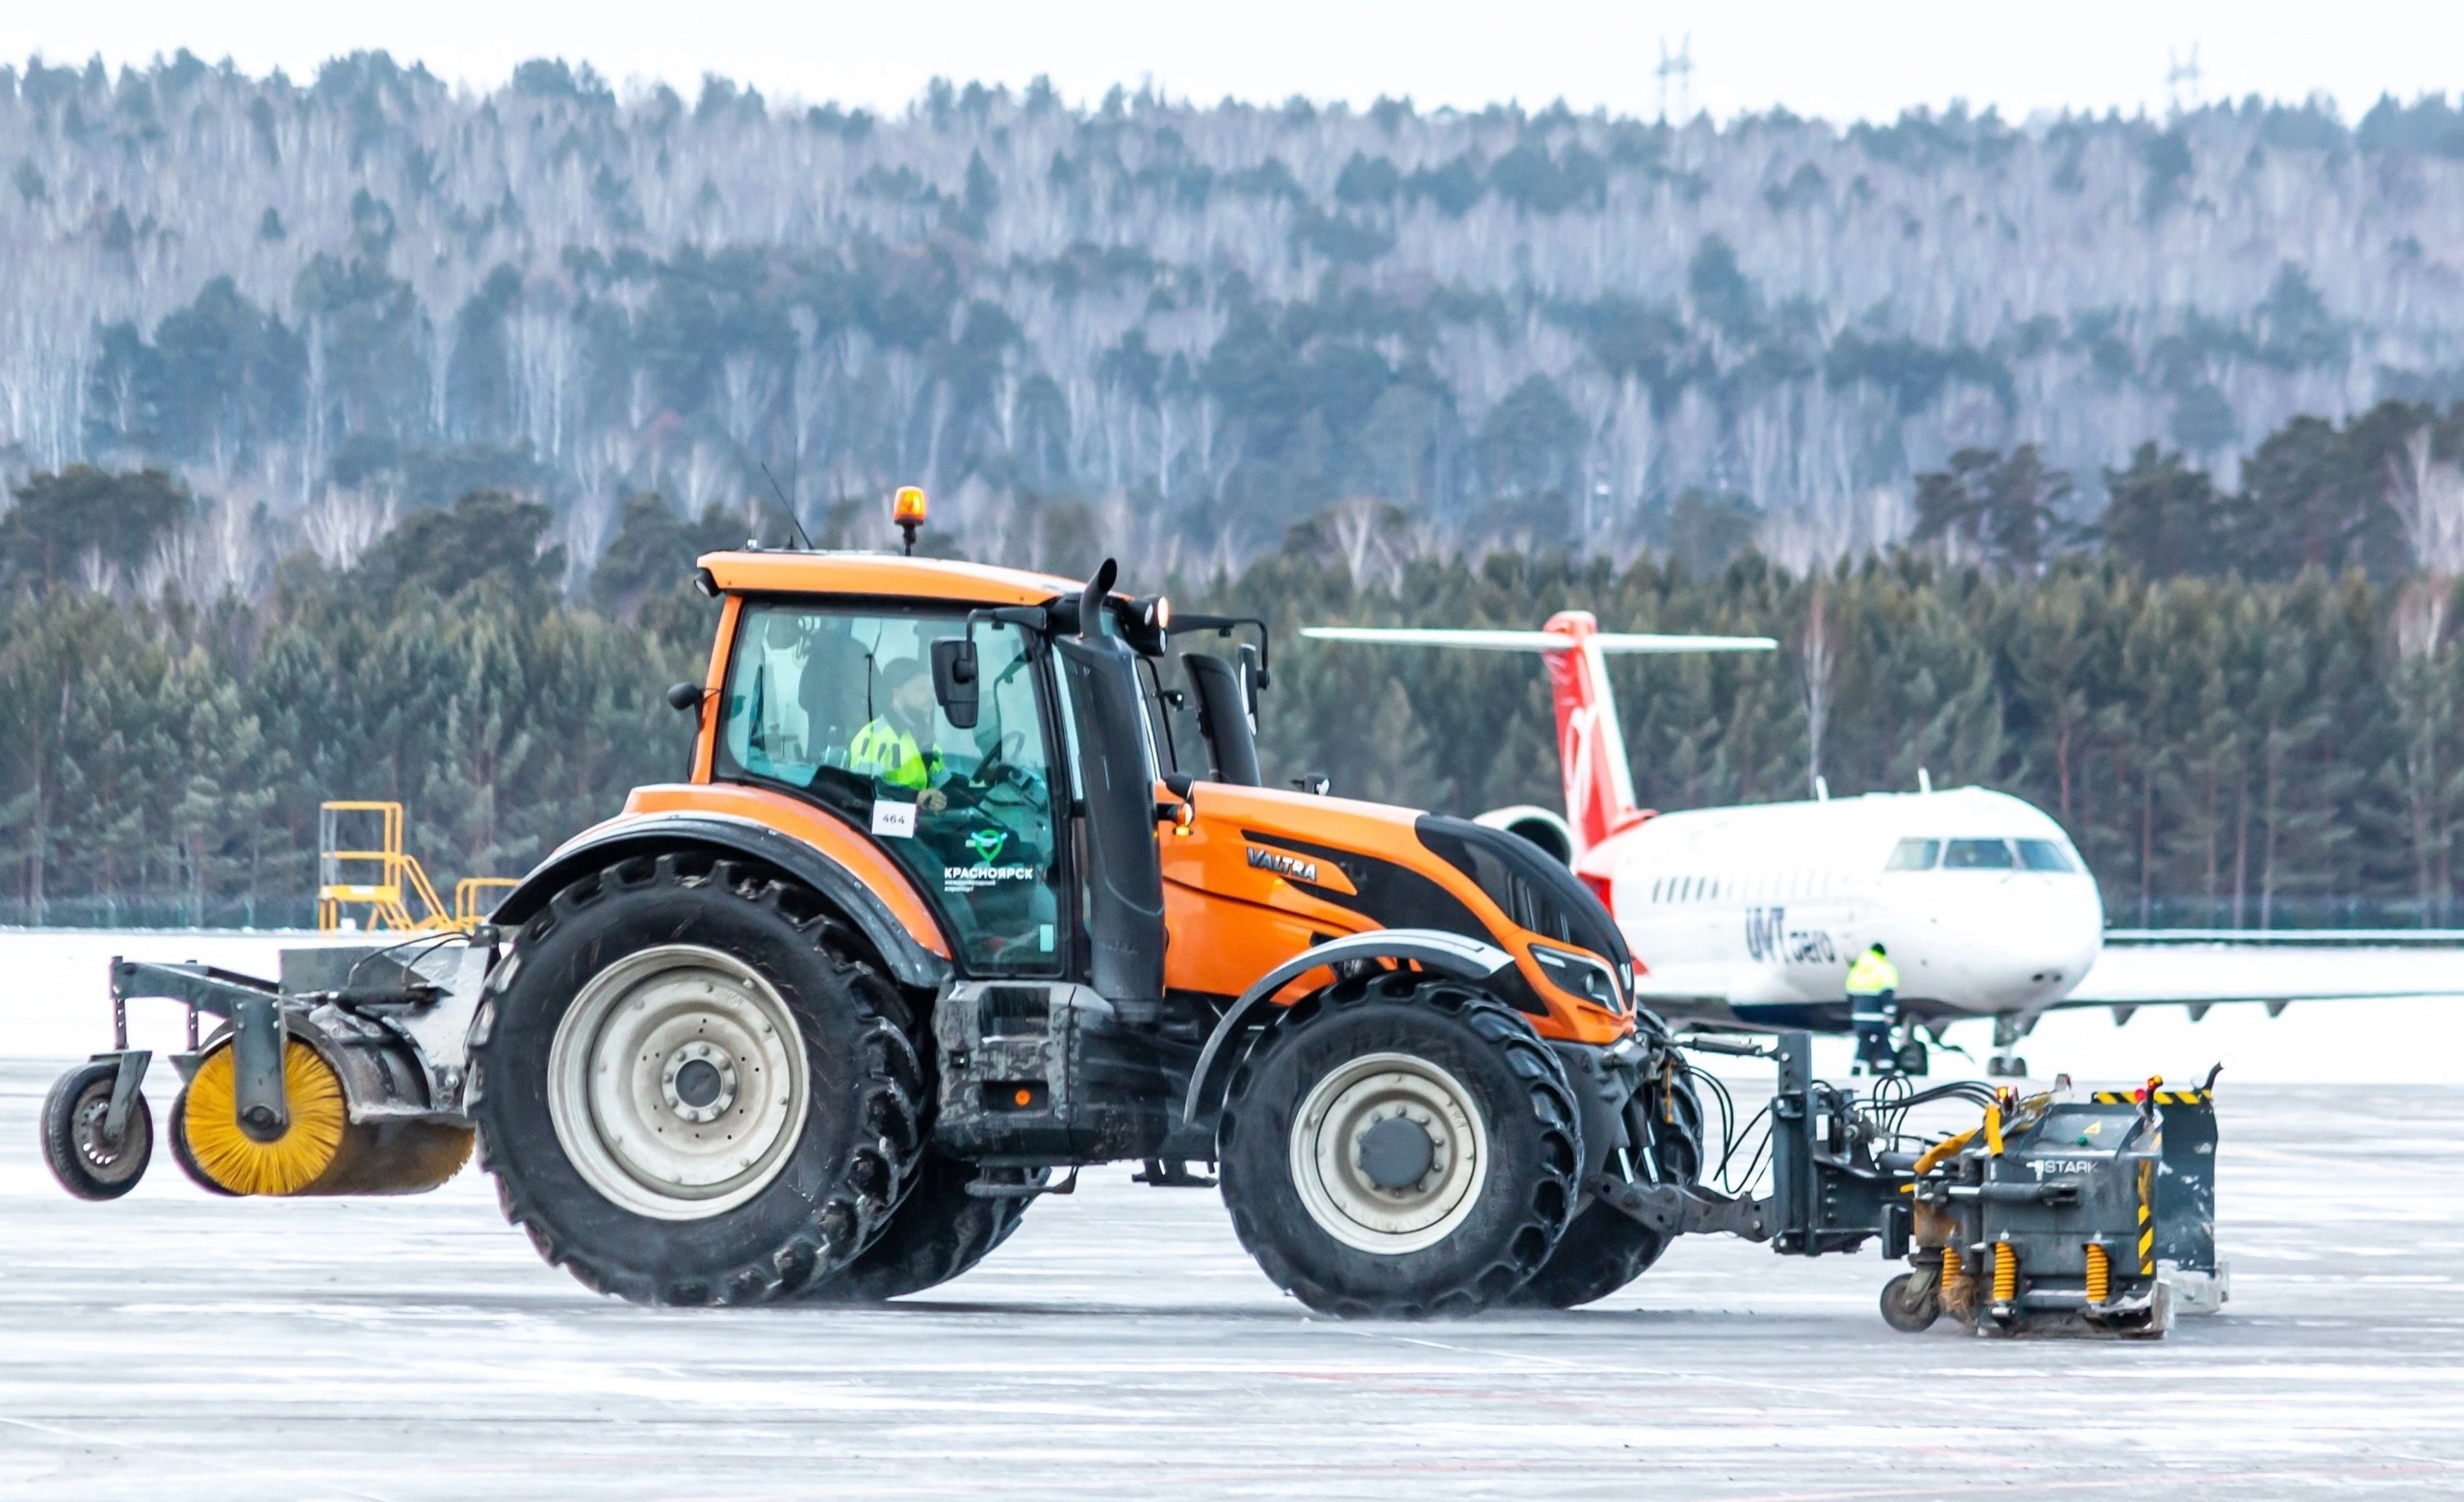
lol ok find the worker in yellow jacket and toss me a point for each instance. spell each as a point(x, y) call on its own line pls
point(1874, 1008)
point(896, 747)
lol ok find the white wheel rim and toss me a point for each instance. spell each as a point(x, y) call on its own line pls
point(1328, 1152)
point(677, 1082)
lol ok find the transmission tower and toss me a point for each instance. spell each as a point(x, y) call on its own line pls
point(2182, 79)
point(1678, 68)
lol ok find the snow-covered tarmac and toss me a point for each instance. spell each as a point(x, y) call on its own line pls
point(172, 1345)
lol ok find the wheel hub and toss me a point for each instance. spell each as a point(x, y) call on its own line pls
point(1388, 1154)
point(1398, 1153)
point(678, 1082)
point(97, 1147)
point(699, 1083)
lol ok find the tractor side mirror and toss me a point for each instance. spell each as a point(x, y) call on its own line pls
point(1252, 677)
point(954, 681)
point(681, 697)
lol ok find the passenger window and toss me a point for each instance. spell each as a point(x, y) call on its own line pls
point(1915, 855)
point(1977, 855)
point(2045, 855)
point(840, 707)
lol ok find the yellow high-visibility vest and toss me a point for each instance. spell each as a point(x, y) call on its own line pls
point(883, 750)
point(1872, 975)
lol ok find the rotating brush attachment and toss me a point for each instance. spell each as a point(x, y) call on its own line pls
point(289, 1163)
point(323, 1152)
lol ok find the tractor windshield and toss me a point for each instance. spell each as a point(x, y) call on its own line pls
point(838, 705)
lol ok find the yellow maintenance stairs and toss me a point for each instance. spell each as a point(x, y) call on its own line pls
point(388, 880)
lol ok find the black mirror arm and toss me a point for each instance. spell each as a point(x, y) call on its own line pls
point(1224, 626)
point(1033, 619)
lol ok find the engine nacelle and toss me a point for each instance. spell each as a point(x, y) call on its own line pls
point(1544, 827)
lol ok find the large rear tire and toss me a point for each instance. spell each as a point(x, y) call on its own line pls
point(938, 1232)
point(689, 1085)
point(1399, 1145)
point(1605, 1249)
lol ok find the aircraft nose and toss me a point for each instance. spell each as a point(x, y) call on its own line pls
point(2058, 937)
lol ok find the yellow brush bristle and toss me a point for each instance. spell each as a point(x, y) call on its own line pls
point(286, 1165)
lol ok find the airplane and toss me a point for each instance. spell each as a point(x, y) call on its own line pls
point(1749, 915)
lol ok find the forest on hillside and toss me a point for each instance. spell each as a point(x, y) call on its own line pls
point(329, 303)
point(2272, 746)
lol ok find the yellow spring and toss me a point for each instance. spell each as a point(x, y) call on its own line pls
point(1952, 1270)
point(2100, 1274)
point(2006, 1273)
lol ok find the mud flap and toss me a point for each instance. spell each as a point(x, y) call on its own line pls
point(2186, 1202)
point(2185, 1180)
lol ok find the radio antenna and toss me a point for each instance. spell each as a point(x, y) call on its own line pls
point(788, 508)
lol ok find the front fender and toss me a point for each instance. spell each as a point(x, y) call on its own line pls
point(659, 834)
point(1429, 949)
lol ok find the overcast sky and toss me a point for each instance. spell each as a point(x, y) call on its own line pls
point(1826, 58)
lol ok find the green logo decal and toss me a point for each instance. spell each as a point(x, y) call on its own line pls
point(988, 843)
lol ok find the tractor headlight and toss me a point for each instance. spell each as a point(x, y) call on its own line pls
point(1582, 975)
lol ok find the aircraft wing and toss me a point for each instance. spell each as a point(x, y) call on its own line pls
point(2203, 969)
point(1534, 640)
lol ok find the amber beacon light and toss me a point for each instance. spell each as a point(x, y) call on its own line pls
point(908, 511)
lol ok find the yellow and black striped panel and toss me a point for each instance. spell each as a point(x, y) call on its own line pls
point(2146, 1219)
point(2163, 1098)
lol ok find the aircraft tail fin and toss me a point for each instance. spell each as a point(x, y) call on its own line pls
point(1591, 747)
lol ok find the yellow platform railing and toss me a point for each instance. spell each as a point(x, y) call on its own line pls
point(387, 881)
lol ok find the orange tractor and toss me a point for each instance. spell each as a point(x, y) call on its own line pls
point(964, 892)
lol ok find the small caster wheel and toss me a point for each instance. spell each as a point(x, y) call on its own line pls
point(184, 1156)
point(1915, 1059)
point(1911, 1302)
point(88, 1162)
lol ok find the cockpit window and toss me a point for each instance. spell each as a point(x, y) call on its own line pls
point(2045, 855)
point(1977, 855)
point(1915, 855)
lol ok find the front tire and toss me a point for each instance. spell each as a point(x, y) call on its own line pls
point(689, 1085)
point(1399, 1145)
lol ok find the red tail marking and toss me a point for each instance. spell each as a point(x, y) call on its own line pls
point(1591, 747)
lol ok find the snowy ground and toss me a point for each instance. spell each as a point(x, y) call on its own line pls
point(171, 1344)
point(1122, 1344)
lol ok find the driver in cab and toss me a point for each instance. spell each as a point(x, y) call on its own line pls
point(896, 745)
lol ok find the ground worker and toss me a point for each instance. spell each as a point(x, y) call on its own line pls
point(896, 746)
point(1874, 1008)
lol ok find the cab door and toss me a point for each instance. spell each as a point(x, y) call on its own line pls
point(1115, 774)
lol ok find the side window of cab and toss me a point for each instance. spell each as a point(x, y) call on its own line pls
point(838, 707)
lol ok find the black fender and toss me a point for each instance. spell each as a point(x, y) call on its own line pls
point(659, 834)
point(1429, 949)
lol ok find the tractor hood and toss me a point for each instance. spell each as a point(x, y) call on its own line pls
point(1375, 865)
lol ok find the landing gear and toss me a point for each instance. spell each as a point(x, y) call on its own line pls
point(2008, 1030)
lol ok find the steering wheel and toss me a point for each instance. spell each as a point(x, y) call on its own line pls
point(1000, 772)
